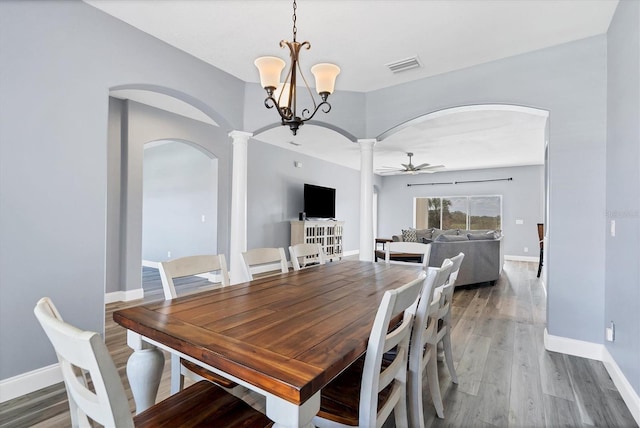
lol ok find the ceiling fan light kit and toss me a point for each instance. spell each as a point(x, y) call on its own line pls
point(283, 96)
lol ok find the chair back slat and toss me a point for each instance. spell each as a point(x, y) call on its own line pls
point(302, 254)
point(455, 269)
point(259, 259)
point(189, 266)
point(417, 248)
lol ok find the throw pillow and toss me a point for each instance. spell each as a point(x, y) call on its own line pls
point(409, 235)
point(423, 234)
point(451, 238)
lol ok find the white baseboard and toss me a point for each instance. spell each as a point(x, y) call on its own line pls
point(350, 253)
point(521, 258)
point(598, 352)
point(578, 348)
point(149, 263)
point(629, 395)
point(124, 296)
point(25, 383)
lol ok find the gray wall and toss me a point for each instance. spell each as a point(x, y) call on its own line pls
point(59, 60)
point(522, 198)
point(275, 194)
point(623, 189)
point(570, 82)
point(180, 188)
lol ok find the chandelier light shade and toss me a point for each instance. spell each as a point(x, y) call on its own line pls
point(270, 70)
point(283, 95)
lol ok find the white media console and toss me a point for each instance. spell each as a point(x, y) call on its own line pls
point(327, 233)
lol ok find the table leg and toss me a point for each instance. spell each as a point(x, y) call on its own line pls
point(288, 415)
point(144, 370)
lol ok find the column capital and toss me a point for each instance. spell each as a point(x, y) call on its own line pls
point(240, 135)
point(367, 142)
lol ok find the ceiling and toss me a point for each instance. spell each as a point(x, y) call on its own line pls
point(361, 37)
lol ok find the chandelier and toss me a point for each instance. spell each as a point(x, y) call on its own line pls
point(283, 96)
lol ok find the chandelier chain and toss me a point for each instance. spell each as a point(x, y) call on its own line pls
point(295, 29)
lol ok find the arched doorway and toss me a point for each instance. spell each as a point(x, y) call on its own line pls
point(457, 135)
point(132, 124)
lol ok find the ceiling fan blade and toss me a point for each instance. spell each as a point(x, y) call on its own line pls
point(423, 165)
point(407, 167)
point(393, 172)
point(432, 167)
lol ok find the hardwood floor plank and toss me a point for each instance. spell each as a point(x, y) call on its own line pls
point(560, 412)
point(493, 404)
point(471, 367)
point(554, 376)
point(602, 377)
point(497, 370)
point(598, 405)
point(526, 406)
point(460, 335)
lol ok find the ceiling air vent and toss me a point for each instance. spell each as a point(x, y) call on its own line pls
point(404, 64)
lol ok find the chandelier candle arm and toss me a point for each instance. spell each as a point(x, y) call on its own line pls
point(283, 95)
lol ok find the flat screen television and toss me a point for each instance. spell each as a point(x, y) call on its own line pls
point(319, 202)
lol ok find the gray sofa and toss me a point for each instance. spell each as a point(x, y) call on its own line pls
point(483, 254)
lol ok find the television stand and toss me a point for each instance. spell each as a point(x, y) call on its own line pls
point(327, 233)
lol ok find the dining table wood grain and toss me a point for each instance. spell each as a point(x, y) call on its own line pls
point(287, 335)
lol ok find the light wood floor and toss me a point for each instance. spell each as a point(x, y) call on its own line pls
point(506, 378)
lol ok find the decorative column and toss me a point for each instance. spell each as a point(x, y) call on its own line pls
point(238, 233)
point(366, 199)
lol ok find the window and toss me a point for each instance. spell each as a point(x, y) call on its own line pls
point(459, 212)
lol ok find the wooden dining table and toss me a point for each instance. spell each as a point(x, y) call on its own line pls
point(284, 336)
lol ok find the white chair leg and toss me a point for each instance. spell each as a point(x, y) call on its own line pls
point(177, 379)
point(414, 401)
point(400, 410)
point(434, 383)
point(448, 354)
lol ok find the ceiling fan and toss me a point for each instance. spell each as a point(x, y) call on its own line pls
point(410, 168)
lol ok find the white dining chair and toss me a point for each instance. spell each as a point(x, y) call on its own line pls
point(190, 266)
point(264, 261)
point(304, 255)
point(416, 248)
point(103, 399)
point(424, 347)
point(180, 268)
point(366, 393)
point(444, 295)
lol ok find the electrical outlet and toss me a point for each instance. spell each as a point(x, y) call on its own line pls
point(613, 228)
point(169, 254)
point(611, 332)
point(526, 249)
